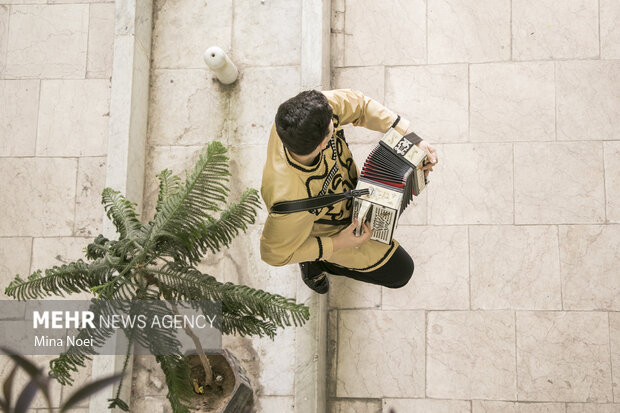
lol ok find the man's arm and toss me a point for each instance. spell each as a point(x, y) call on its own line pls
point(352, 106)
point(286, 240)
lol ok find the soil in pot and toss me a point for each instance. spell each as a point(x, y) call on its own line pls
point(218, 393)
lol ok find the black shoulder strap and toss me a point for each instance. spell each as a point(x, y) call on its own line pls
point(306, 204)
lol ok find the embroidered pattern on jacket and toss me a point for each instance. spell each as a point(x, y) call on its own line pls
point(342, 176)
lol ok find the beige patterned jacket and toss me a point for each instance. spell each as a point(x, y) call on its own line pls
point(306, 236)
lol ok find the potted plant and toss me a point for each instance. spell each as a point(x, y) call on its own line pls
point(157, 261)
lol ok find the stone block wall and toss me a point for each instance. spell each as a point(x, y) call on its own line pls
point(55, 79)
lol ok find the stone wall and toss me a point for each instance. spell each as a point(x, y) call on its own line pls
point(55, 77)
point(189, 108)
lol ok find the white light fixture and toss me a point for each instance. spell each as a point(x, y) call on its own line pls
point(220, 63)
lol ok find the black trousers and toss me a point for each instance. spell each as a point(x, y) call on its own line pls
point(395, 273)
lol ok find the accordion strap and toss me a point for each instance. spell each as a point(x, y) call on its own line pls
point(317, 202)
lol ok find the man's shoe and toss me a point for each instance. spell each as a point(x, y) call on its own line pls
point(314, 276)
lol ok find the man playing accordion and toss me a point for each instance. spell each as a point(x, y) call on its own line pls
point(308, 156)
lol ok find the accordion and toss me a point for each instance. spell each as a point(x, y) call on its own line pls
point(390, 178)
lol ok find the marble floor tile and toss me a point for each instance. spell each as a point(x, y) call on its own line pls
point(441, 277)
point(512, 102)
point(370, 80)
point(592, 408)
point(563, 356)
point(416, 212)
point(48, 252)
point(270, 364)
point(151, 404)
point(383, 45)
point(4, 37)
point(482, 406)
point(515, 267)
point(267, 33)
point(589, 261)
point(251, 123)
point(100, 41)
point(351, 405)
point(614, 337)
point(89, 211)
point(38, 196)
point(471, 355)
point(472, 184)
point(204, 24)
point(558, 183)
point(25, 2)
point(550, 29)
point(426, 406)
point(346, 292)
point(612, 180)
point(610, 31)
point(588, 100)
point(244, 254)
point(468, 31)
point(433, 98)
point(15, 256)
point(269, 404)
point(19, 100)
point(380, 353)
point(147, 377)
point(82, 376)
point(22, 379)
point(74, 117)
point(47, 41)
point(200, 106)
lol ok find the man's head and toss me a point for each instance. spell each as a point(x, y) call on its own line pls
point(303, 122)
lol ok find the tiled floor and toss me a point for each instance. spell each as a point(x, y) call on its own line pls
point(55, 69)
point(514, 305)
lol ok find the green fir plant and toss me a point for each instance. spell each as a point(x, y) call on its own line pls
point(156, 262)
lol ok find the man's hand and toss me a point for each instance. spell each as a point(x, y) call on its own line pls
point(347, 239)
point(432, 156)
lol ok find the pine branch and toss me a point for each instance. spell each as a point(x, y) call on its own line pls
point(177, 372)
point(69, 278)
point(158, 339)
point(183, 212)
point(122, 213)
point(187, 283)
point(98, 248)
point(74, 356)
point(246, 325)
point(169, 186)
point(214, 234)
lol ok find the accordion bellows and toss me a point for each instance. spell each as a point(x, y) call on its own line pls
point(392, 174)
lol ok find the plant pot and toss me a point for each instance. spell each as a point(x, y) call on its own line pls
point(232, 395)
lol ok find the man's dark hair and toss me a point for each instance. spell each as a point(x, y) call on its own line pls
point(302, 122)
